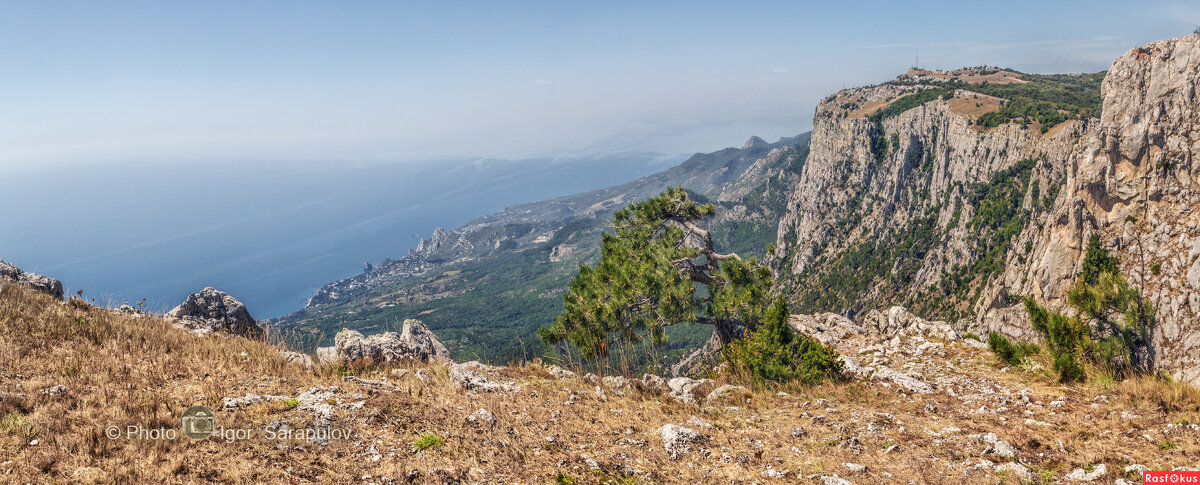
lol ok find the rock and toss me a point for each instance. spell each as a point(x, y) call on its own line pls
point(472, 376)
point(12, 274)
point(615, 382)
point(827, 328)
point(722, 392)
point(1081, 475)
point(854, 467)
point(415, 342)
point(59, 390)
point(678, 439)
point(559, 372)
point(589, 462)
point(296, 358)
point(654, 382)
point(681, 388)
point(211, 310)
point(318, 401)
point(482, 417)
point(997, 447)
point(901, 379)
point(697, 422)
point(1017, 470)
point(850, 365)
point(835, 480)
point(898, 321)
point(232, 403)
point(327, 355)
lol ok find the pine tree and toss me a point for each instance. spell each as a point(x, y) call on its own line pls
point(658, 268)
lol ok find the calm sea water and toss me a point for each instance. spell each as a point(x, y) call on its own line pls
point(268, 233)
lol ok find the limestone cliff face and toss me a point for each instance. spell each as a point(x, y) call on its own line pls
point(901, 197)
point(1133, 181)
point(1130, 177)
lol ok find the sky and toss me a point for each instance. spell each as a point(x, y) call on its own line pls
point(105, 82)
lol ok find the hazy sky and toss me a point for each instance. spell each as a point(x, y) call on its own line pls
point(105, 81)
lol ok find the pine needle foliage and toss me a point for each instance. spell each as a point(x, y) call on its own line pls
point(657, 268)
point(774, 352)
point(1113, 324)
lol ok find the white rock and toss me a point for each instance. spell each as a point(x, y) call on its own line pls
point(1080, 475)
point(678, 439)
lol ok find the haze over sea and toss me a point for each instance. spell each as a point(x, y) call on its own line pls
point(269, 233)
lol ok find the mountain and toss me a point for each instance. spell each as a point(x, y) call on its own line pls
point(485, 286)
point(909, 197)
point(955, 192)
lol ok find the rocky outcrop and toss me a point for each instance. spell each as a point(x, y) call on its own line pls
point(884, 209)
point(13, 274)
point(913, 181)
point(678, 440)
point(827, 328)
point(415, 342)
point(475, 376)
point(1135, 182)
point(898, 321)
point(211, 310)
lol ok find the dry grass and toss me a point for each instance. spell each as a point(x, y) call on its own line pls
point(971, 76)
point(972, 105)
point(124, 371)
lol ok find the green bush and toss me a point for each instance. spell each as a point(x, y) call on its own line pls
point(775, 353)
point(427, 441)
point(1069, 369)
point(1103, 299)
point(1012, 353)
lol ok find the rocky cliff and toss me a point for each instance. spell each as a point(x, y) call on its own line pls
point(930, 207)
point(1133, 182)
point(888, 210)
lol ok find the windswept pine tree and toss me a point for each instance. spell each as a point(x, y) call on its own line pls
point(659, 268)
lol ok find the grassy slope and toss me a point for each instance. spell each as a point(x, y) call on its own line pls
point(125, 371)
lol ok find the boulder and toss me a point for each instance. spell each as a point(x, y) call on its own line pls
point(474, 376)
point(13, 274)
point(415, 342)
point(303, 360)
point(827, 328)
point(682, 388)
point(1081, 475)
point(1021, 472)
point(211, 310)
point(678, 439)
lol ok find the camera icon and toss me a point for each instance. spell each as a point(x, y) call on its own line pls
point(198, 422)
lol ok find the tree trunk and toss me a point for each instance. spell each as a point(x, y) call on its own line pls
point(709, 354)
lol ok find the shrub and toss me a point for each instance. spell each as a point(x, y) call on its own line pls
point(1069, 369)
point(1102, 298)
point(427, 441)
point(775, 353)
point(1012, 353)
